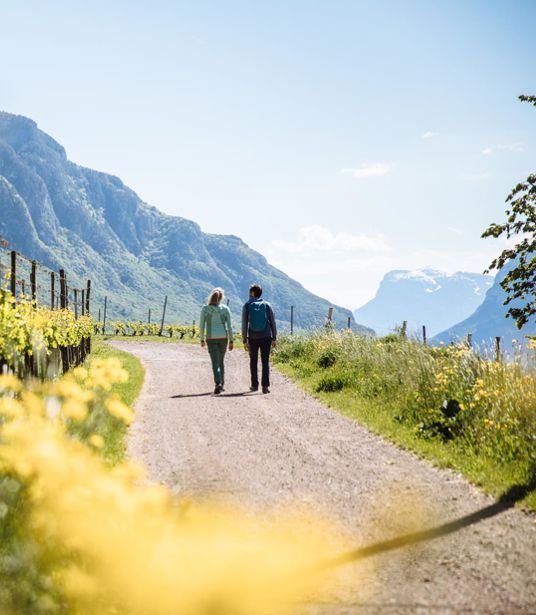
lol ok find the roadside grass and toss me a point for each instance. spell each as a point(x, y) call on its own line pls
point(396, 389)
point(112, 431)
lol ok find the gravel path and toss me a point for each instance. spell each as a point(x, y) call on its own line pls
point(287, 448)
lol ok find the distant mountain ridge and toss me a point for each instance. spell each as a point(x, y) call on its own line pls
point(423, 297)
point(65, 215)
point(489, 320)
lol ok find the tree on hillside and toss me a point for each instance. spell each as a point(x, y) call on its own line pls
point(520, 282)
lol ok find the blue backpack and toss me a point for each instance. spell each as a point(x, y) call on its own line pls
point(258, 315)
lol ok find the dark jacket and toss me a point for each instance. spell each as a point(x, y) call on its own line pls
point(271, 328)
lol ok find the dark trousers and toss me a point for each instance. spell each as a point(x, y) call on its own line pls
point(263, 344)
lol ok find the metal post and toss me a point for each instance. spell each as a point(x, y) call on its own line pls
point(52, 289)
point(63, 290)
point(163, 316)
point(13, 273)
point(104, 319)
point(33, 280)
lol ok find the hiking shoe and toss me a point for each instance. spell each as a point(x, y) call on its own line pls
point(265, 390)
point(218, 389)
point(253, 389)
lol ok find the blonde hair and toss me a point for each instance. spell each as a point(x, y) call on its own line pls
point(215, 296)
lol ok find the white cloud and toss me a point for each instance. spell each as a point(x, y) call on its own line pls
point(429, 135)
point(512, 147)
point(375, 169)
point(317, 238)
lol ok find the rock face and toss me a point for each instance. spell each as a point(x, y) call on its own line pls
point(489, 321)
point(94, 226)
point(423, 297)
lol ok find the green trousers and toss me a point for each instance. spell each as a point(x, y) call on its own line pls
point(216, 350)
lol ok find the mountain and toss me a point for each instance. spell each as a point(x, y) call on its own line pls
point(489, 320)
point(92, 225)
point(423, 297)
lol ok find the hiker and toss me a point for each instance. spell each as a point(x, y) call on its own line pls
point(259, 332)
point(216, 319)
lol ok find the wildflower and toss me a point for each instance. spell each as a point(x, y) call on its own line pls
point(74, 409)
point(96, 440)
point(120, 410)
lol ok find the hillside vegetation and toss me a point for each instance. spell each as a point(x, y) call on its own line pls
point(91, 224)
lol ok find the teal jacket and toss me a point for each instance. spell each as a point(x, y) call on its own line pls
point(216, 319)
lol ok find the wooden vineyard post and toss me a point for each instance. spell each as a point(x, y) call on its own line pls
point(404, 329)
point(88, 292)
point(349, 327)
point(83, 302)
point(104, 319)
point(76, 303)
point(99, 315)
point(14, 273)
point(329, 317)
point(497, 349)
point(33, 282)
point(23, 287)
point(291, 320)
point(193, 328)
point(470, 340)
point(163, 316)
point(424, 335)
point(63, 290)
point(52, 289)
point(149, 317)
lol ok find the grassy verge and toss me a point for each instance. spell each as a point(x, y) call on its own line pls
point(397, 391)
point(113, 431)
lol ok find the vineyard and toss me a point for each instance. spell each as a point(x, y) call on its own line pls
point(138, 328)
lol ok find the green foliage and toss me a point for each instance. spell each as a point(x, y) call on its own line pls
point(34, 330)
point(520, 281)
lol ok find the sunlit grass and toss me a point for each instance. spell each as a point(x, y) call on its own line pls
point(446, 404)
point(113, 432)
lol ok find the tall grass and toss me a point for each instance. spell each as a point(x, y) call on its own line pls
point(448, 403)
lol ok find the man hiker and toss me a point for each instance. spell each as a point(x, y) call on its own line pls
point(259, 332)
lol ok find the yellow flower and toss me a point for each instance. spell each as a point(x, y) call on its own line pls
point(8, 382)
point(96, 440)
point(120, 410)
point(74, 409)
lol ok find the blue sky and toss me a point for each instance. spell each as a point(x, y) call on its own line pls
point(340, 138)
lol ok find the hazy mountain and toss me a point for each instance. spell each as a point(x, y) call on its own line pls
point(489, 321)
point(423, 297)
point(95, 227)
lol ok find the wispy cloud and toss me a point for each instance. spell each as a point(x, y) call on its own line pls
point(375, 169)
point(429, 135)
point(317, 238)
point(512, 147)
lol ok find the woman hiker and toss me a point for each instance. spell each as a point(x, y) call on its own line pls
point(216, 319)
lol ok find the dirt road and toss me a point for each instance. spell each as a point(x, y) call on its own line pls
point(272, 450)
